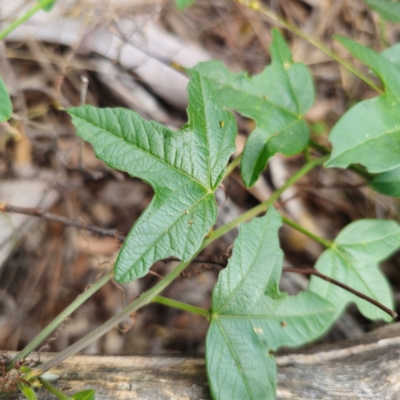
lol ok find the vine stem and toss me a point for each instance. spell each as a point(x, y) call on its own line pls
point(149, 295)
point(182, 306)
point(312, 271)
point(261, 8)
point(262, 207)
point(294, 225)
point(355, 168)
point(31, 346)
point(25, 17)
point(143, 300)
point(53, 390)
point(232, 165)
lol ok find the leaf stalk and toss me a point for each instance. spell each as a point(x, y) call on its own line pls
point(53, 390)
point(261, 8)
point(182, 306)
point(299, 228)
point(263, 207)
point(25, 17)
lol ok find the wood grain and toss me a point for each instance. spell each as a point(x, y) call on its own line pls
point(367, 368)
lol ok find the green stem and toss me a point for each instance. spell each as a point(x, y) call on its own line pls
point(256, 5)
point(53, 390)
point(294, 225)
point(232, 165)
point(262, 207)
point(60, 318)
point(355, 168)
point(24, 18)
point(307, 153)
point(182, 306)
point(148, 296)
point(144, 299)
point(319, 147)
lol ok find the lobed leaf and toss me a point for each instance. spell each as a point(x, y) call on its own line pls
point(183, 4)
point(353, 260)
point(251, 318)
point(388, 10)
point(5, 103)
point(369, 133)
point(276, 100)
point(183, 167)
point(387, 183)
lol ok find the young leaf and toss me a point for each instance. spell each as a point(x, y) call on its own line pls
point(251, 318)
point(184, 168)
point(353, 260)
point(84, 395)
point(277, 100)
point(49, 6)
point(388, 10)
point(28, 392)
point(5, 103)
point(387, 183)
point(182, 4)
point(369, 133)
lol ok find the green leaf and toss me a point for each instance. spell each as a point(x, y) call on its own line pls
point(353, 260)
point(393, 54)
point(49, 6)
point(251, 318)
point(183, 167)
point(276, 100)
point(5, 103)
point(28, 392)
point(369, 133)
point(388, 10)
point(387, 183)
point(85, 395)
point(182, 4)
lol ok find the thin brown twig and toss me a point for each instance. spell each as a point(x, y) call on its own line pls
point(221, 260)
point(40, 212)
point(312, 271)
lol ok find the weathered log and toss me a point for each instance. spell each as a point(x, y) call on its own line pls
point(367, 368)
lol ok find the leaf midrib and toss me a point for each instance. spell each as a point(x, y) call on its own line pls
point(147, 153)
point(350, 266)
point(237, 360)
point(257, 97)
point(365, 143)
point(162, 234)
point(207, 139)
point(367, 243)
point(269, 316)
point(244, 276)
